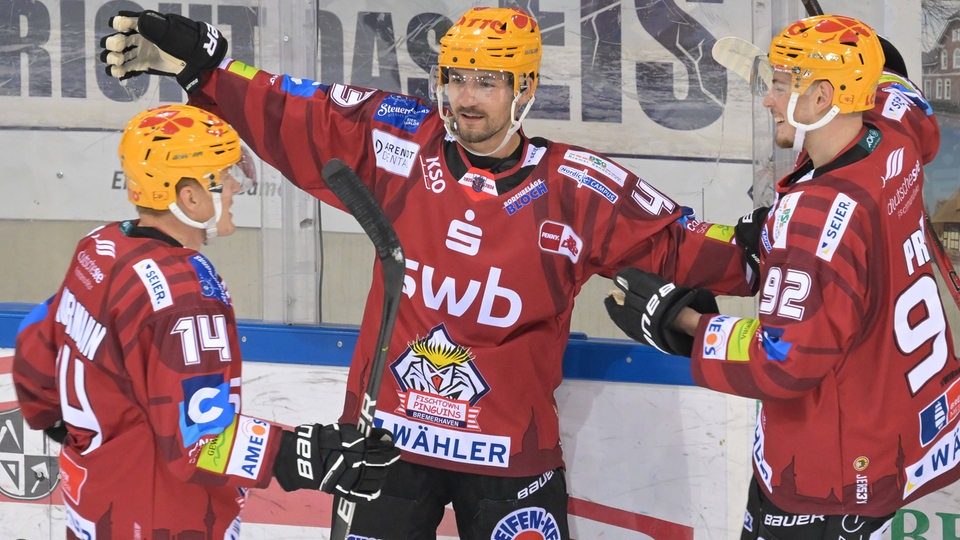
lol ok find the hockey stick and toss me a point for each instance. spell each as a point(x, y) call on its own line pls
point(813, 7)
point(347, 186)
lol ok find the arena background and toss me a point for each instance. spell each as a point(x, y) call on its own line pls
point(650, 455)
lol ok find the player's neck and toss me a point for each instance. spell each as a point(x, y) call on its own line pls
point(826, 143)
point(166, 222)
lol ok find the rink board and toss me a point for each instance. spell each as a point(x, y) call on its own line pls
point(649, 455)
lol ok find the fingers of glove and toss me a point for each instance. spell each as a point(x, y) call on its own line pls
point(117, 43)
point(124, 21)
point(380, 450)
point(341, 438)
point(381, 435)
point(361, 483)
point(626, 318)
point(638, 286)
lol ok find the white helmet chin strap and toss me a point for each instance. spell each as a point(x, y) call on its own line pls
point(451, 125)
point(802, 129)
point(210, 226)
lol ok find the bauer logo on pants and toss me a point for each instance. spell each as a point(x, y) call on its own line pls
point(28, 462)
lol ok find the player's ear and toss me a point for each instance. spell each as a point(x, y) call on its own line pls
point(824, 94)
point(189, 194)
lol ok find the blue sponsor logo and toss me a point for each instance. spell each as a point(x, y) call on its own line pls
point(205, 409)
point(210, 284)
point(402, 112)
point(773, 343)
point(933, 419)
point(300, 87)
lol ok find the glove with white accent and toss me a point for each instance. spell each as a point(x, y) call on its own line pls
point(162, 44)
point(747, 232)
point(646, 305)
point(335, 458)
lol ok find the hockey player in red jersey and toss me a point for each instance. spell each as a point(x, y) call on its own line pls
point(851, 356)
point(500, 231)
point(134, 365)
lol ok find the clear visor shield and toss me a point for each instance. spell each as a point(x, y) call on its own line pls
point(483, 82)
point(243, 172)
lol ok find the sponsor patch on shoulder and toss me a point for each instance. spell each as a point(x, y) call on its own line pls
point(211, 286)
point(599, 164)
point(403, 112)
point(155, 283)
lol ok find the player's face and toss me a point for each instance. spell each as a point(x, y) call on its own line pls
point(776, 101)
point(231, 187)
point(480, 102)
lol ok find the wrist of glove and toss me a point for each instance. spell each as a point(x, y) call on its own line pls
point(645, 306)
point(747, 233)
point(335, 458)
point(162, 44)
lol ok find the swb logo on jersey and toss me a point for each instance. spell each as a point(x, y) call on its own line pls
point(28, 462)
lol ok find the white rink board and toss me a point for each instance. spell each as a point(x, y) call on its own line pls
point(673, 459)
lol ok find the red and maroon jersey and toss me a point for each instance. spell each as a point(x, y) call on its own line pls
point(852, 354)
point(138, 354)
point(491, 275)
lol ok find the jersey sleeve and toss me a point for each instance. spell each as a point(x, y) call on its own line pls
point(902, 106)
point(35, 369)
point(811, 306)
point(651, 231)
point(192, 384)
point(298, 125)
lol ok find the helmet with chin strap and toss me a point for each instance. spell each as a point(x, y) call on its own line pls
point(164, 145)
point(494, 39)
point(844, 51)
point(160, 147)
point(503, 40)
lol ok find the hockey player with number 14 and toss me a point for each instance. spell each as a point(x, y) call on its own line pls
point(135, 365)
point(500, 231)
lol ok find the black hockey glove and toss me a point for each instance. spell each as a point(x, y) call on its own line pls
point(747, 233)
point(162, 44)
point(57, 432)
point(646, 305)
point(335, 458)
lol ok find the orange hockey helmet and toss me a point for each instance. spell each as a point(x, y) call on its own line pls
point(494, 39)
point(164, 145)
point(838, 49)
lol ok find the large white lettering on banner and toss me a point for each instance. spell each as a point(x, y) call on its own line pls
point(634, 81)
